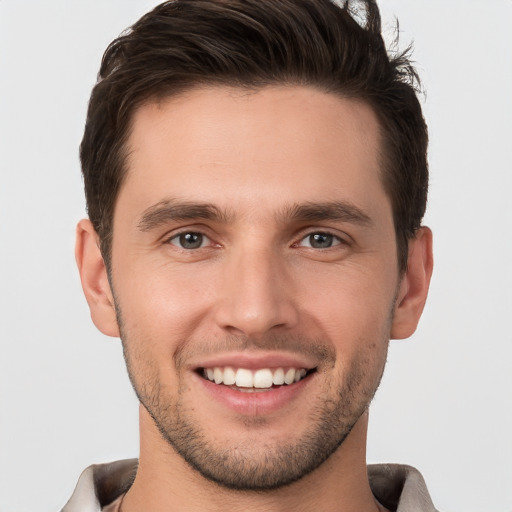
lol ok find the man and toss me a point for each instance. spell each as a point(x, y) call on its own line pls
point(256, 176)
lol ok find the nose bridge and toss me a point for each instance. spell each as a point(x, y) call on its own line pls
point(256, 291)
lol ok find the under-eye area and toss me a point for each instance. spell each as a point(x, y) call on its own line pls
point(262, 379)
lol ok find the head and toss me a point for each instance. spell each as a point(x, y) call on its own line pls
point(186, 43)
point(255, 177)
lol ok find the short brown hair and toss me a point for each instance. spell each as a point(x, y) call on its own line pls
point(252, 44)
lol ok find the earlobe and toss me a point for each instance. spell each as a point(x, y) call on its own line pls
point(414, 285)
point(93, 275)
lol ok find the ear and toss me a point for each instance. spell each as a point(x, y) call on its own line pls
point(93, 274)
point(414, 285)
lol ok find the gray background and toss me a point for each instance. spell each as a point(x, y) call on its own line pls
point(445, 402)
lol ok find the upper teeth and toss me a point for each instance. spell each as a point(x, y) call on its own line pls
point(263, 378)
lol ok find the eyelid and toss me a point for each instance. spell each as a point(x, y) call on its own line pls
point(205, 242)
point(182, 228)
point(174, 234)
point(342, 238)
point(336, 241)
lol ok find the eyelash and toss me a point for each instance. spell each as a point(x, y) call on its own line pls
point(335, 240)
point(177, 236)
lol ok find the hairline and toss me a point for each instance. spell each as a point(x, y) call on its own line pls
point(384, 156)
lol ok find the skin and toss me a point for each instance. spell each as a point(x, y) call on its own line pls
point(255, 290)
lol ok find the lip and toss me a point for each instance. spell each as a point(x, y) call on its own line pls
point(256, 403)
point(253, 361)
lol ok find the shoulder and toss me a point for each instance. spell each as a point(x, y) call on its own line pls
point(101, 484)
point(400, 487)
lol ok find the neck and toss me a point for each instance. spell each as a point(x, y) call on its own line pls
point(165, 482)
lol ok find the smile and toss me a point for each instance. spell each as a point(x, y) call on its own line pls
point(248, 380)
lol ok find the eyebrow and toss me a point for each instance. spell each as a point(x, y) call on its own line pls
point(335, 210)
point(171, 210)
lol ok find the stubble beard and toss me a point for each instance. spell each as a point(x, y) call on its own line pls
point(247, 466)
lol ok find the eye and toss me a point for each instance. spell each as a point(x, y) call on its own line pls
point(189, 240)
point(320, 241)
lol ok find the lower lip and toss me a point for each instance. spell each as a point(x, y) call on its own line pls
point(256, 403)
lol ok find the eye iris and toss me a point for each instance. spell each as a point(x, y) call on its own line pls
point(320, 240)
point(191, 240)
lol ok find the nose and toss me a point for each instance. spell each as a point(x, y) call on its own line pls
point(257, 294)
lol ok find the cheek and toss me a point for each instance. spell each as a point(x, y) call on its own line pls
point(159, 313)
point(162, 298)
point(353, 311)
point(351, 301)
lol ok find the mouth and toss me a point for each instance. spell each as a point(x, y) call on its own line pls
point(255, 380)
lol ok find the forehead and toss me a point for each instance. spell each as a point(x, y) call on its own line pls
point(234, 148)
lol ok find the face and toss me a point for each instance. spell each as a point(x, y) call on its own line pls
point(254, 273)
